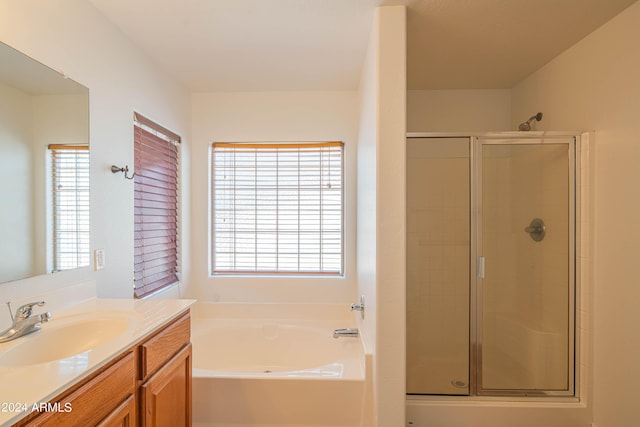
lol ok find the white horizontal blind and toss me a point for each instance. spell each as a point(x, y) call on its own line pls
point(70, 198)
point(277, 208)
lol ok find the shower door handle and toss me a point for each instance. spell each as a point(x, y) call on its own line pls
point(480, 267)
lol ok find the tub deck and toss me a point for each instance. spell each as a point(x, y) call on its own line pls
point(276, 364)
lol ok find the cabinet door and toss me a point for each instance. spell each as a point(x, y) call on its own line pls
point(165, 398)
point(123, 416)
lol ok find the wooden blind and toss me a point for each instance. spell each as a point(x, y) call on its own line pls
point(70, 210)
point(156, 208)
point(277, 208)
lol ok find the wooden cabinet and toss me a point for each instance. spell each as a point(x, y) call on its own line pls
point(165, 376)
point(161, 347)
point(91, 401)
point(165, 399)
point(123, 416)
point(147, 385)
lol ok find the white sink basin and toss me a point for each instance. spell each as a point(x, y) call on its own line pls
point(66, 337)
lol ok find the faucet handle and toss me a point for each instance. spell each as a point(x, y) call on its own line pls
point(24, 311)
point(359, 306)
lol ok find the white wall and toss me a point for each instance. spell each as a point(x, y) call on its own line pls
point(271, 116)
point(16, 159)
point(381, 207)
point(596, 85)
point(367, 212)
point(71, 36)
point(458, 110)
point(391, 218)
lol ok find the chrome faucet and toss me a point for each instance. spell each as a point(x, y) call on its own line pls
point(348, 332)
point(23, 322)
point(359, 306)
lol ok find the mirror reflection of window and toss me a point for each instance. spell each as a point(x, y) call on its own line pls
point(38, 107)
point(70, 206)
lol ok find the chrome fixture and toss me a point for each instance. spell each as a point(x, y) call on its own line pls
point(359, 306)
point(525, 126)
point(125, 169)
point(459, 383)
point(347, 332)
point(23, 323)
point(536, 229)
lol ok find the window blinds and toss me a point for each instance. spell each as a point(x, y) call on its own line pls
point(155, 208)
point(70, 210)
point(277, 208)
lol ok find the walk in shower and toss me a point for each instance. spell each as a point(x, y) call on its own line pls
point(491, 286)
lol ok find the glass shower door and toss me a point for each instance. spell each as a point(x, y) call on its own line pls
point(525, 265)
point(438, 255)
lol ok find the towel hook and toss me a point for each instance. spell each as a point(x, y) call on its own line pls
point(125, 169)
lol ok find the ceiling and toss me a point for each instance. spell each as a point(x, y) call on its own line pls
point(289, 45)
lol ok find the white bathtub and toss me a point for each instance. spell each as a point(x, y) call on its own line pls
point(275, 364)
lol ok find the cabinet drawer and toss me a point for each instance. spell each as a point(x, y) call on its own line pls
point(157, 350)
point(94, 399)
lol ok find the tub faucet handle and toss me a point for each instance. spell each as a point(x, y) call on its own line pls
point(359, 306)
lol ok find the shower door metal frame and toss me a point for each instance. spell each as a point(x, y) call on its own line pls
point(474, 214)
point(574, 239)
point(476, 283)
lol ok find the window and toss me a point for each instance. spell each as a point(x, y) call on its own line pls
point(277, 208)
point(156, 207)
point(70, 201)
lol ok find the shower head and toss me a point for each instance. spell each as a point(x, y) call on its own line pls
point(525, 126)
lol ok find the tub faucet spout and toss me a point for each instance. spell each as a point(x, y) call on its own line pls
point(347, 332)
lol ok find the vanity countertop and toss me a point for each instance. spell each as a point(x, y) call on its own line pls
point(24, 386)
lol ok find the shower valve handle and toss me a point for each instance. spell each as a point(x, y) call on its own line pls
point(536, 229)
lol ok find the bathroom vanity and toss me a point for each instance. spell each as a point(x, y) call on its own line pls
point(138, 375)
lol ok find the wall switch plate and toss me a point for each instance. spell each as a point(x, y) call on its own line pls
point(98, 259)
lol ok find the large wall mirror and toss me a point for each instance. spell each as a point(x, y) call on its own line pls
point(44, 169)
